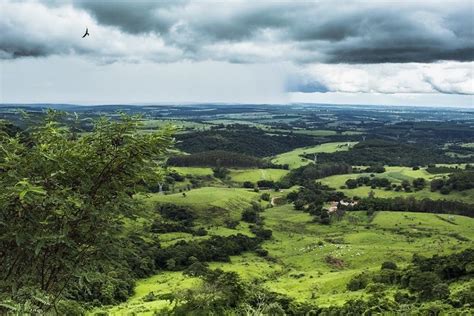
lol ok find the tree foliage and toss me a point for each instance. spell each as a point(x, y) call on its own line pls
point(63, 198)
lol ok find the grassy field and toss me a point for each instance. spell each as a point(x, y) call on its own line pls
point(322, 132)
point(294, 160)
point(195, 171)
point(397, 175)
point(254, 175)
point(299, 249)
point(301, 270)
point(213, 204)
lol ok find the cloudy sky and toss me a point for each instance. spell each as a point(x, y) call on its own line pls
point(351, 52)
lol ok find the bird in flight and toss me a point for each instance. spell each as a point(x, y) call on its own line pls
point(86, 33)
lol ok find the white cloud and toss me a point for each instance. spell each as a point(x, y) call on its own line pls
point(445, 77)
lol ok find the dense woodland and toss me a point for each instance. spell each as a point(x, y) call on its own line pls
point(242, 139)
point(220, 158)
point(392, 153)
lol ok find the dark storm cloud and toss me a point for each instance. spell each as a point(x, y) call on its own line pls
point(355, 32)
point(301, 32)
point(132, 16)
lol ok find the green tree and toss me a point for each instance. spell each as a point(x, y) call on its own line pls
point(424, 283)
point(64, 196)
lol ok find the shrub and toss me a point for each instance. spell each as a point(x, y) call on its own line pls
point(261, 252)
point(389, 265)
point(248, 185)
point(250, 216)
point(265, 196)
point(358, 282)
point(261, 233)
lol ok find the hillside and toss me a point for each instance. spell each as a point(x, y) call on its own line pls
point(283, 212)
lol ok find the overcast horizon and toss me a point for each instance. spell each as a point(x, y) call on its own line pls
point(362, 53)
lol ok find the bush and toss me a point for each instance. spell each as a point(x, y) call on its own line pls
point(375, 288)
point(441, 291)
point(358, 282)
point(177, 213)
point(232, 224)
point(266, 184)
point(248, 185)
point(389, 265)
point(261, 252)
point(201, 231)
point(261, 233)
point(250, 216)
point(424, 283)
point(72, 308)
point(220, 172)
point(445, 190)
point(265, 196)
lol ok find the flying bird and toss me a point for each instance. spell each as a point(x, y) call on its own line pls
point(86, 33)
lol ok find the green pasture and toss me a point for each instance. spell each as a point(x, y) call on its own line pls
point(299, 249)
point(151, 124)
point(397, 175)
point(213, 204)
point(322, 132)
point(194, 171)
point(294, 160)
point(254, 175)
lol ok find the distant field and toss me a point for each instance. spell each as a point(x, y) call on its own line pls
point(325, 132)
point(197, 171)
point(180, 124)
point(293, 159)
point(397, 175)
point(299, 268)
point(254, 175)
point(213, 204)
point(232, 122)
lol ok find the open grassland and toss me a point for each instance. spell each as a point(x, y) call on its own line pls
point(152, 125)
point(322, 132)
point(396, 175)
point(195, 171)
point(254, 175)
point(361, 243)
point(299, 250)
point(163, 283)
point(233, 122)
point(294, 160)
point(212, 204)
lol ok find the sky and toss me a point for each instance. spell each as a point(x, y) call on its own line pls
point(236, 51)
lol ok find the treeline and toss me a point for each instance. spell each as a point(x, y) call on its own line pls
point(433, 169)
point(458, 181)
point(428, 131)
point(219, 158)
point(175, 218)
point(311, 172)
point(392, 153)
point(217, 248)
point(242, 139)
point(410, 204)
point(426, 279)
point(374, 182)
